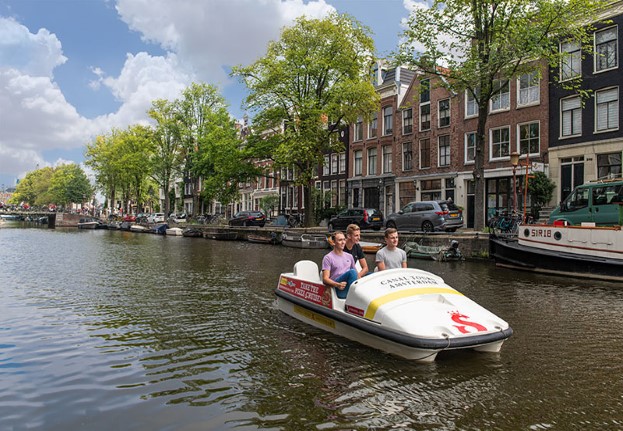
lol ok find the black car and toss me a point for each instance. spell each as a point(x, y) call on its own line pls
point(248, 218)
point(365, 218)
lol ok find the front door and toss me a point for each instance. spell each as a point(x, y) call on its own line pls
point(571, 175)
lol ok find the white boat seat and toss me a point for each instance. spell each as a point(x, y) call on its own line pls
point(307, 270)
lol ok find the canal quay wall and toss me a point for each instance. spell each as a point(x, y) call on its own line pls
point(473, 244)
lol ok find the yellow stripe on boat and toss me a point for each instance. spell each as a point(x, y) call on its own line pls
point(402, 294)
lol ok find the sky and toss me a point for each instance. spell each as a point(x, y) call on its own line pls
point(73, 69)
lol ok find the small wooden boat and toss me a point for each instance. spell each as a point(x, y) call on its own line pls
point(192, 232)
point(88, 223)
point(221, 235)
point(305, 240)
point(175, 231)
point(440, 253)
point(370, 247)
point(273, 238)
point(138, 228)
point(417, 251)
point(407, 312)
point(160, 229)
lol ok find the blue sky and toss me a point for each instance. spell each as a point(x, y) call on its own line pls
point(73, 69)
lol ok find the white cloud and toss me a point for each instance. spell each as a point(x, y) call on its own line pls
point(208, 35)
point(33, 54)
point(202, 39)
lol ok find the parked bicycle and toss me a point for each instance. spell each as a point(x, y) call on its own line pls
point(504, 223)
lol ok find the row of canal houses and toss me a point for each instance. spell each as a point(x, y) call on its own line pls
point(420, 145)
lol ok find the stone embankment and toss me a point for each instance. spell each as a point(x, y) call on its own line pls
point(473, 245)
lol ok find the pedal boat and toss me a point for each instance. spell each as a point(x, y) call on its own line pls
point(407, 312)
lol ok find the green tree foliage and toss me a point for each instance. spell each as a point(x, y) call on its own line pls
point(481, 42)
point(269, 203)
point(309, 82)
point(69, 184)
point(204, 125)
point(541, 191)
point(220, 158)
point(102, 156)
point(166, 161)
point(62, 185)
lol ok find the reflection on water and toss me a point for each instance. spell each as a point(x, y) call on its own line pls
point(116, 330)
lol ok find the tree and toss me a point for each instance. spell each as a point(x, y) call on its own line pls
point(69, 184)
point(482, 44)
point(34, 188)
point(166, 160)
point(103, 156)
point(134, 146)
point(541, 190)
point(309, 82)
point(196, 109)
point(220, 159)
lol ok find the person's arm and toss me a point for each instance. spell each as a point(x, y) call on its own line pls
point(364, 267)
point(379, 260)
point(404, 263)
point(328, 282)
point(380, 265)
point(404, 259)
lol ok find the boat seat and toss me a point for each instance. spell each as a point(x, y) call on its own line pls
point(307, 270)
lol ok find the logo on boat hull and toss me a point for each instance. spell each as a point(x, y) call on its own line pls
point(458, 318)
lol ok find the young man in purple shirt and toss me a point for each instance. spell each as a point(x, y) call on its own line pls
point(338, 267)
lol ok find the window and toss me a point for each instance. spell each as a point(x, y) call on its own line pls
point(343, 192)
point(444, 112)
point(571, 66)
point(500, 143)
point(371, 161)
point(528, 89)
point(387, 159)
point(607, 109)
point(425, 91)
point(325, 166)
point(570, 117)
point(444, 150)
point(470, 147)
point(471, 105)
point(500, 101)
point(425, 116)
point(357, 162)
point(334, 163)
point(407, 121)
point(342, 162)
point(358, 129)
point(529, 138)
point(387, 120)
point(407, 157)
point(424, 153)
point(606, 47)
point(609, 165)
point(373, 127)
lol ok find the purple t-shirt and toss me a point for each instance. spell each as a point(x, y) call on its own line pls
point(337, 264)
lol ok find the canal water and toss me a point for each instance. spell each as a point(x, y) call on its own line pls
point(110, 330)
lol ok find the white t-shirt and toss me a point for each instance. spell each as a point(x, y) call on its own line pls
point(391, 258)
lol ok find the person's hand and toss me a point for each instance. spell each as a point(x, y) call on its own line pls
point(342, 285)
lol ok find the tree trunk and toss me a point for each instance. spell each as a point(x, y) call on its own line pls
point(479, 170)
point(309, 204)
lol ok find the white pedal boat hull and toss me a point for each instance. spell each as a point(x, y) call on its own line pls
point(406, 312)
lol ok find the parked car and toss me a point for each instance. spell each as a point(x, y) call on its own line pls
point(157, 218)
point(427, 216)
point(178, 218)
point(129, 218)
point(365, 218)
point(248, 218)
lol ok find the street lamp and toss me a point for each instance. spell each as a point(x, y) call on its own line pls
point(515, 163)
